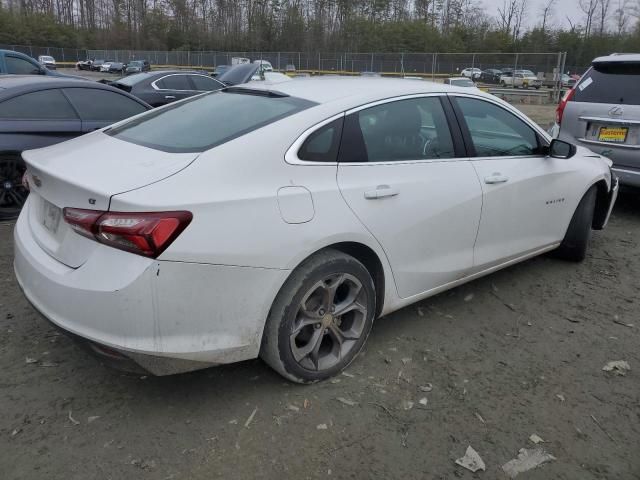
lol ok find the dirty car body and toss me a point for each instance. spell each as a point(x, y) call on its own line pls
point(172, 247)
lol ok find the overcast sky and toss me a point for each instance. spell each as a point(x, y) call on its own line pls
point(561, 9)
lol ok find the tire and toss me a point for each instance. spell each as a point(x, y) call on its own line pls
point(301, 340)
point(576, 240)
point(12, 192)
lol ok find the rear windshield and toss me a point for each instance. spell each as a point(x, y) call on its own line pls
point(610, 83)
point(131, 80)
point(208, 120)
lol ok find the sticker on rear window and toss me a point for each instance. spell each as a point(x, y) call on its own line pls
point(585, 84)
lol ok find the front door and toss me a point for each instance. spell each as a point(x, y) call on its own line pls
point(525, 192)
point(402, 175)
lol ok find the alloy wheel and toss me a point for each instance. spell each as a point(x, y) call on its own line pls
point(330, 320)
point(12, 193)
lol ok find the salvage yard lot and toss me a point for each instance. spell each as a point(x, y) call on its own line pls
point(516, 353)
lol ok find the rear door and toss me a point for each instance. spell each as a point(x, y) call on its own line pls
point(604, 113)
point(525, 193)
point(99, 108)
point(37, 119)
point(403, 173)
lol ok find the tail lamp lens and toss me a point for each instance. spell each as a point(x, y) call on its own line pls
point(143, 233)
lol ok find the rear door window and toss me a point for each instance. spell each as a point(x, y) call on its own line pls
point(174, 82)
point(616, 83)
point(95, 104)
point(42, 105)
point(205, 84)
point(412, 129)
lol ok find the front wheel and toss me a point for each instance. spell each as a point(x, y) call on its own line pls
point(576, 240)
point(12, 193)
point(320, 319)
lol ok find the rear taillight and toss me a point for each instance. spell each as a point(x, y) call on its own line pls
point(563, 103)
point(145, 233)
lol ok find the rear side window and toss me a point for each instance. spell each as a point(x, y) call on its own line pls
point(20, 66)
point(205, 84)
point(322, 145)
point(174, 82)
point(95, 104)
point(208, 120)
point(610, 83)
point(42, 105)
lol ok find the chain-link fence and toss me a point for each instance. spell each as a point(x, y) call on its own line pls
point(423, 64)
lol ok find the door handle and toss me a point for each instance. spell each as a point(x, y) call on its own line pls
point(496, 178)
point(170, 97)
point(381, 191)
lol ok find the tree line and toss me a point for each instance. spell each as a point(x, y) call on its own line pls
point(597, 27)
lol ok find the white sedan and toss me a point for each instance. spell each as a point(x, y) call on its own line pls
point(280, 220)
point(472, 73)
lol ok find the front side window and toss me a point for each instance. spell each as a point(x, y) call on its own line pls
point(42, 105)
point(496, 132)
point(203, 122)
point(95, 104)
point(20, 66)
point(412, 129)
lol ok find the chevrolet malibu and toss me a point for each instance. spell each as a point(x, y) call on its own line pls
point(280, 220)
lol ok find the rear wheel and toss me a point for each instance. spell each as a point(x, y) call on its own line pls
point(576, 240)
point(320, 319)
point(12, 193)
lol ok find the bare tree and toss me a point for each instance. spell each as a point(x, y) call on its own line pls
point(547, 13)
point(507, 15)
point(519, 19)
point(621, 16)
point(604, 13)
point(589, 8)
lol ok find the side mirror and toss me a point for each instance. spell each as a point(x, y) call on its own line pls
point(561, 149)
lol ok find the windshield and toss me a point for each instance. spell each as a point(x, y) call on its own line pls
point(205, 121)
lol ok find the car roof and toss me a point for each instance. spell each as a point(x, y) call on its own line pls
point(353, 90)
point(618, 57)
point(13, 85)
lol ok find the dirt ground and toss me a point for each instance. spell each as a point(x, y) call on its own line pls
point(516, 353)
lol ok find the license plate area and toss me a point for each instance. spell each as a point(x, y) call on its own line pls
point(613, 134)
point(51, 216)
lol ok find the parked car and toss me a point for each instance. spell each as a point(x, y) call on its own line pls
point(220, 69)
point(96, 65)
point(602, 112)
point(137, 66)
point(239, 60)
point(116, 67)
point(567, 81)
point(17, 63)
point(460, 82)
point(264, 65)
point(256, 222)
point(84, 64)
point(472, 73)
point(37, 111)
point(520, 79)
point(105, 66)
point(290, 68)
point(47, 61)
point(165, 86)
point(490, 75)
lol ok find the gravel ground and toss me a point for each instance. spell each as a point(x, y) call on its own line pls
point(516, 353)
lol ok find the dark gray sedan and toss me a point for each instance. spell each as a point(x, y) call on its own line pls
point(38, 111)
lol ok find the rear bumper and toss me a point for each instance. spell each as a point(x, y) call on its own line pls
point(166, 317)
point(628, 176)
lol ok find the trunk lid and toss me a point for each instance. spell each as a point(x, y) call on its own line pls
point(85, 173)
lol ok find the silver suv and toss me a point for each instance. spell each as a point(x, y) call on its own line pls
point(602, 112)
